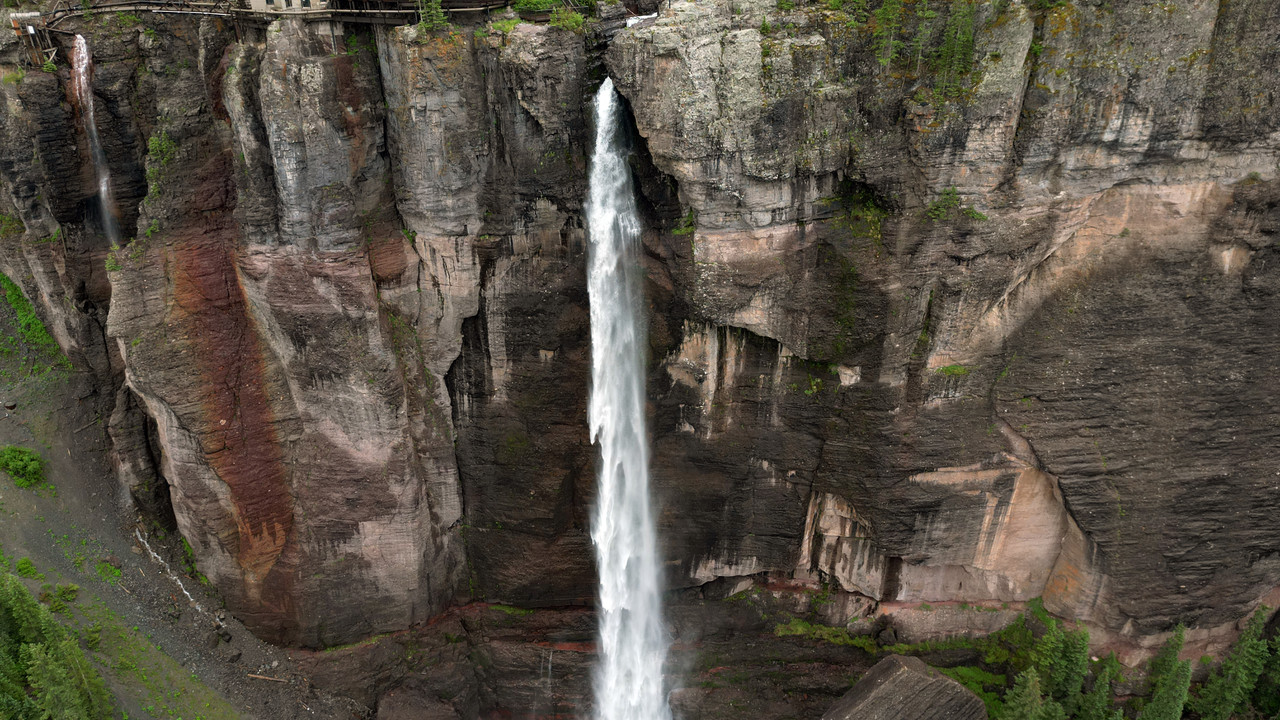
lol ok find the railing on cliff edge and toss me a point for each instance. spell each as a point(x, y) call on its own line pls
point(34, 28)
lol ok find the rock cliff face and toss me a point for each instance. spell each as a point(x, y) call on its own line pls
point(933, 330)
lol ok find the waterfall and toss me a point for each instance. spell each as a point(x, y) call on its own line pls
point(82, 89)
point(632, 642)
point(167, 571)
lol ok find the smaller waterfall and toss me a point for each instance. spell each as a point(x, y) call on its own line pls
point(167, 571)
point(82, 89)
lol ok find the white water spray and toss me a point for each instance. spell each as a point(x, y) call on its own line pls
point(633, 643)
point(82, 88)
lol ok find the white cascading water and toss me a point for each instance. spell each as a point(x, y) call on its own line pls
point(155, 556)
point(633, 642)
point(82, 88)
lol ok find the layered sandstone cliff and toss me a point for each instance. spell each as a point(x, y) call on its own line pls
point(1003, 339)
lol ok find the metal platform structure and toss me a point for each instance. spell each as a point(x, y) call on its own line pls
point(35, 28)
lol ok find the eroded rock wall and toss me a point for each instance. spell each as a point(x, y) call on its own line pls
point(918, 335)
point(1091, 152)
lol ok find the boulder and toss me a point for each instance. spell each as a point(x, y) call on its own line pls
point(903, 688)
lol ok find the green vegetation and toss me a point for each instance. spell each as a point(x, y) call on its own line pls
point(953, 370)
point(885, 33)
point(108, 573)
point(955, 57)
point(862, 212)
point(11, 226)
point(27, 569)
point(14, 78)
point(512, 611)
point(113, 260)
point(23, 465)
point(505, 26)
point(835, 636)
point(161, 150)
point(142, 670)
point(1169, 678)
point(948, 205)
point(939, 209)
point(566, 19)
point(42, 352)
point(535, 6)
point(1228, 689)
point(43, 671)
point(924, 31)
point(985, 685)
point(431, 16)
point(687, 224)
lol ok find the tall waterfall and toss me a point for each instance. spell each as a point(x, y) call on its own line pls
point(82, 88)
point(633, 643)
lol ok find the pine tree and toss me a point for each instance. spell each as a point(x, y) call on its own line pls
point(924, 31)
point(52, 687)
point(1170, 695)
point(1170, 679)
point(1062, 661)
point(1096, 704)
point(955, 57)
point(1164, 660)
point(431, 16)
point(1024, 700)
point(1266, 694)
point(1228, 689)
point(888, 21)
point(44, 675)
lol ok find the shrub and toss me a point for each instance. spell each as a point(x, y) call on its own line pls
point(534, 6)
point(505, 26)
point(566, 19)
point(27, 569)
point(23, 465)
point(687, 224)
point(939, 209)
point(49, 67)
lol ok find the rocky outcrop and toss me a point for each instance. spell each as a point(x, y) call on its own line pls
point(903, 688)
point(959, 224)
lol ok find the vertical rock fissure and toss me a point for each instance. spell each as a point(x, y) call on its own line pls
point(632, 641)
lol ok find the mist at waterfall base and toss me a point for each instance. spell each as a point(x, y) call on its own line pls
point(632, 643)
point(82, 89)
